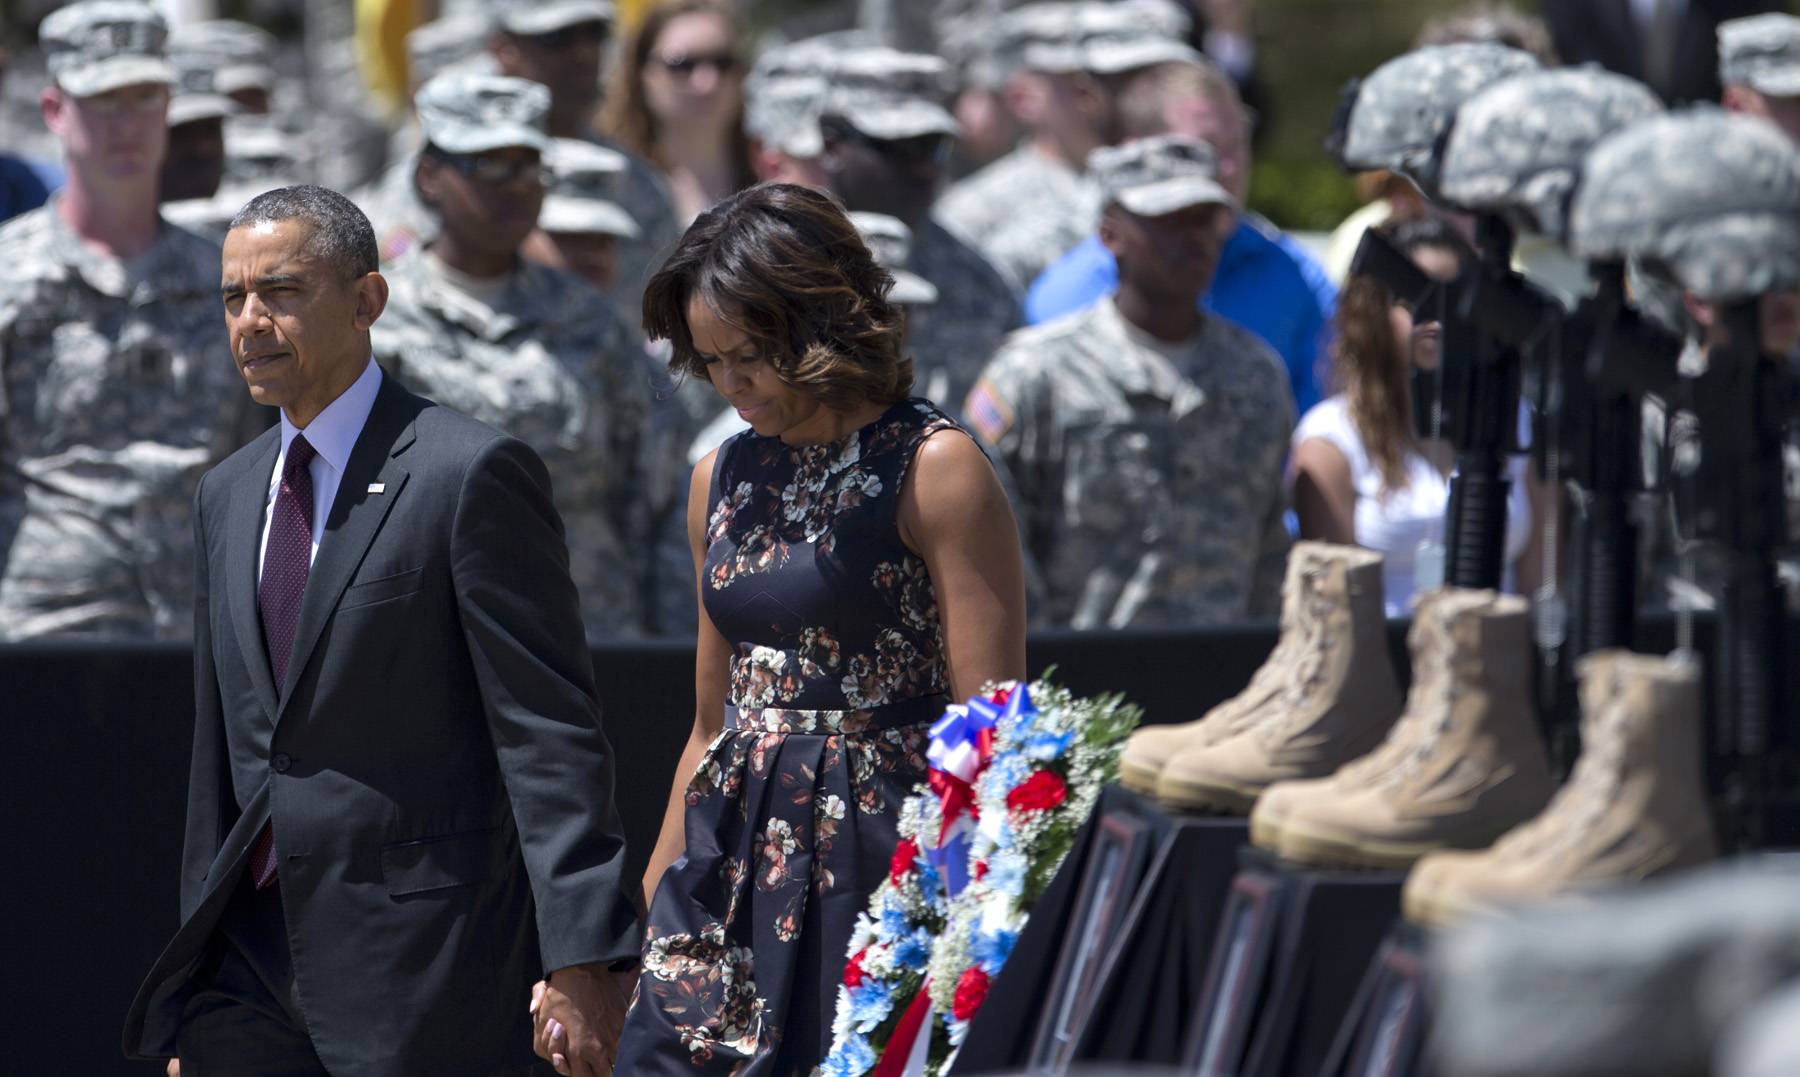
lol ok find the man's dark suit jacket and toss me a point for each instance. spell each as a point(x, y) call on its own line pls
point(439, 783)
point(1605, 33)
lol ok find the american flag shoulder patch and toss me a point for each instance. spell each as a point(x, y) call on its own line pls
point(988, 412)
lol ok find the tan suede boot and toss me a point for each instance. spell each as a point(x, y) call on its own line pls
point(1340, 700)
point(1463, 765)
point(1635, 805)
point(1422, 638)
point(1150, 748)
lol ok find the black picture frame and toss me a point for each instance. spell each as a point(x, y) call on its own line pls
point(1388, 1043)
point(1116, 862)
point(1234, 977)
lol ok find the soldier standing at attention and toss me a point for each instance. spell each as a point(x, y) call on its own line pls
point(885, 137)
point(559, 43)
point(1144, 438)
point(117, 388)
point(529, 349)
point(1029, 207)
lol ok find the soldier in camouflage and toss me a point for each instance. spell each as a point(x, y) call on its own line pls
point(884, 138)
point(527, 348)
point(1144, 439)
point(559, 43)
point(1759, 66)
point(117, 387)
point(1028, 208)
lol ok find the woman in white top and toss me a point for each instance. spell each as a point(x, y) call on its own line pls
point(1360, 474)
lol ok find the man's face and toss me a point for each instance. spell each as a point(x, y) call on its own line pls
point(120, 134)
point(1171, 257)
point(591, 256)
point(298, 330)
point(1225, 126)
point(567, 61)
point(1783, 112)
point(898, 177)
point(489, 201)
point(195, 162)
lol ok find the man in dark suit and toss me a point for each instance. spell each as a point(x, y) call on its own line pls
point(1666, 44)
point(400, 809)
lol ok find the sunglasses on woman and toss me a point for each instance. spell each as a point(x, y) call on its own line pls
point(685, 64)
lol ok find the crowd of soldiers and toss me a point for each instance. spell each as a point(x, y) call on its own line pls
point(1090, 294)
point(504, 218)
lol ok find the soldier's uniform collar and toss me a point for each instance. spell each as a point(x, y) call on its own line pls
point(159, 273)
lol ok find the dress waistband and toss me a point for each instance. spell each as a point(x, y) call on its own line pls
point(788, 720)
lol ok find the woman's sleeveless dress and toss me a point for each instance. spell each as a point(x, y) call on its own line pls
point(839, 672)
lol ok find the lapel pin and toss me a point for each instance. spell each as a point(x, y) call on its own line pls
point(378, 488)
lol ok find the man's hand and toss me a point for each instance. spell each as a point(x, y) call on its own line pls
point(577, 1017)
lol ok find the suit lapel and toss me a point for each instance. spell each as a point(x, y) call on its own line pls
point(243, 543)
point(355, 518)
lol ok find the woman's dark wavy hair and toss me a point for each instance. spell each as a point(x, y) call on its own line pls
point(783, 264)
point(1374, 373)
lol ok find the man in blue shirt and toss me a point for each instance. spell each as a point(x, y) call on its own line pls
point(1265, 282)
point(25, 184)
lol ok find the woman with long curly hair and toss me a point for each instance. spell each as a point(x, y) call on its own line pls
point(858, 569)
point(678, 100)
point(1361, 471)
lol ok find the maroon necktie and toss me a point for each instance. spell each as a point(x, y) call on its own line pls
point(286, 562)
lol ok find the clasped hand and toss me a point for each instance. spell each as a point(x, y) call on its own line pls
point(576, 1017)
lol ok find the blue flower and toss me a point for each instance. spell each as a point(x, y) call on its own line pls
point(1006, 873)
point(853, 1058)
point(870, 1003)
point(991, 951)
point(930, 883)
point(1045, 746)
point(893, 923)
point(914, 951)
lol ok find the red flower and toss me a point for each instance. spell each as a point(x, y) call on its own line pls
point(904, 855)
point(980, 869)
point(971, 992)
point(1000, 696)
point(853, 972)
point(1040, 792)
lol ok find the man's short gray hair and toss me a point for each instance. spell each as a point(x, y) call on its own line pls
point(340, 234)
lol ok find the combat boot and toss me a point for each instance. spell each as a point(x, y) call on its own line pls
point(1272, 807)
point(1635, 805)
point(1150, 748)
point(1340, 698)
point(1470, 764)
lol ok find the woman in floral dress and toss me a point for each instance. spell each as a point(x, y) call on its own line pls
point(858, 568)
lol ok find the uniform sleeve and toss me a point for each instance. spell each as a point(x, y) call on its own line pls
point(1007, 411)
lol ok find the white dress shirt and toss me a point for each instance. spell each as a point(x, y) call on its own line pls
point(332, 434)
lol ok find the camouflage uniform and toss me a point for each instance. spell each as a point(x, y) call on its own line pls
point(552, 367)
point(1026, 210)
point(1148, 477)
point(1761, 52)
point(543, 359)
point(117, 390)
point(952, 339)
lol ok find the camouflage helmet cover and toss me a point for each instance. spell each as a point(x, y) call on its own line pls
point(1517, 146)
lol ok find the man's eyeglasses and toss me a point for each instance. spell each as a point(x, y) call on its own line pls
point(685, 64)
point(582, 33)
point(496, 171)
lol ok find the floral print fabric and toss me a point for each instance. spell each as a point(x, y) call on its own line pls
point(837, 675)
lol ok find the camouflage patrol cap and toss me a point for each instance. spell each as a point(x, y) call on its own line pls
point(1761, 52)
point(1101, 38)
point(1400, 112)
point(244, 54)
point(888, 94)
point(475, 113)
point(890, 241)
point(95, 46)
point(257, 150)
point(441, 44)
point(1517, 147)
point(584, 181)
point(1711, 198)
point(1156, 176)
point(786, 88)
point(197, 96)
point(528, 18)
